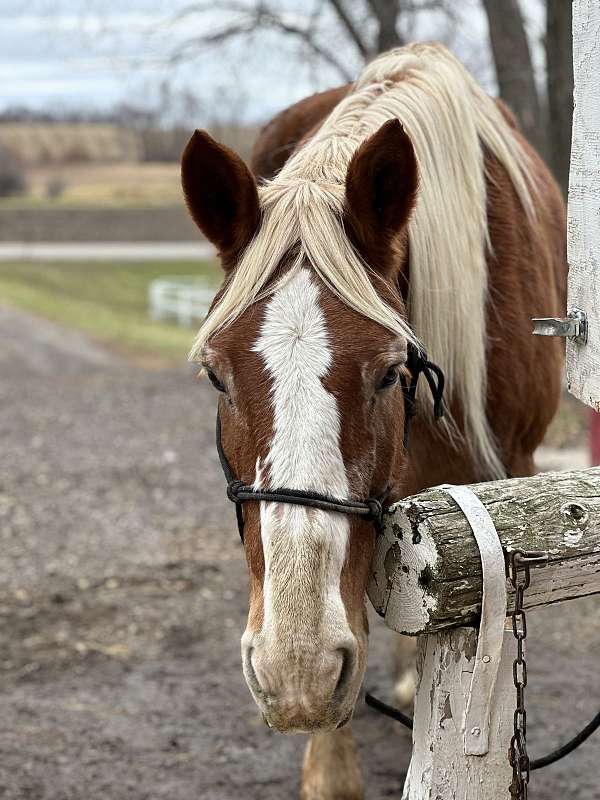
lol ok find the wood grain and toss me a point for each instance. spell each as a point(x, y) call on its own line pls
point(439, 767)
point(583, 360)
point(426, 573)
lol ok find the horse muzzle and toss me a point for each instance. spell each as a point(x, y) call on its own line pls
point(300, 691)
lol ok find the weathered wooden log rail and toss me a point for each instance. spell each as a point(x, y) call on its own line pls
point(427, 568)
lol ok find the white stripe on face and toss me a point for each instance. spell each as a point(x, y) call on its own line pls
point(304, 549)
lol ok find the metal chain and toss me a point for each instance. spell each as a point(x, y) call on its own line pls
point(517, 751)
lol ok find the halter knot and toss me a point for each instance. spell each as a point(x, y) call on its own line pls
point(375, 509)
point(233, 490)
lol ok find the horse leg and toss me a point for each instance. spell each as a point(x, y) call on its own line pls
point(405, 671)
point(331, 768)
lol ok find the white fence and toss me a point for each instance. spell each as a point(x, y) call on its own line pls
point(185, 299)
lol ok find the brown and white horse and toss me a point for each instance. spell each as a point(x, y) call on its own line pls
point(410, 209)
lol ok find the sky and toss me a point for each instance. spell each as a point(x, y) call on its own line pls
point(94, 54)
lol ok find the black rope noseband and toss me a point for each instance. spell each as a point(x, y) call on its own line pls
point(370, 509)
point(239, 492)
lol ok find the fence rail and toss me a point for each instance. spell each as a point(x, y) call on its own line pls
point(427, 570)
point(186, 299)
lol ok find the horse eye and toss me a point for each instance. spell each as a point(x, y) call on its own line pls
point(390, 377)
point(214, 380)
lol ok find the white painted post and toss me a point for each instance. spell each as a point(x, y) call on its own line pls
point(583, 360)
point(465, 696)
point(439, 767)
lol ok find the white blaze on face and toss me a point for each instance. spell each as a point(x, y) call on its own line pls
point(304, 548)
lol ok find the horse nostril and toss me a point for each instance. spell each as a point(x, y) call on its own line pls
point(251, 674)
point(345, 672)
point(345, 721)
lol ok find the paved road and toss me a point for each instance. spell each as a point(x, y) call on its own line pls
point(104, 251)
point(123, 595)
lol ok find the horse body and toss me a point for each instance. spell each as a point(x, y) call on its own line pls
point(451, 223)
point(526, 268)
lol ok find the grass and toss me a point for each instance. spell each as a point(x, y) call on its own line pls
point(107, 300)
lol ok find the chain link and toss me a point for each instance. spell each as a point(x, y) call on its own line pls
point(517, 752)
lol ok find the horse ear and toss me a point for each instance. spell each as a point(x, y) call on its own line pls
point(220, 193)
point(381, 187)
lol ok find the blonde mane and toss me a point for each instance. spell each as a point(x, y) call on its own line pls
point(450, 120)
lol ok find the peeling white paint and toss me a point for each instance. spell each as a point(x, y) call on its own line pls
point(571, 538)
point(423, 532)
point(439, 767)
point(410, 604)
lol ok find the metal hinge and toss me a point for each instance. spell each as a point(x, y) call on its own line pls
point(574, 326)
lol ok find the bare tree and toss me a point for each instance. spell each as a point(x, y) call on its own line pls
point(341, 32)
point(246, 18)
point(545, 116)
point(12, 176)
point(368, 26)
point(385, 14)
point(514, 67)
point(559, 67)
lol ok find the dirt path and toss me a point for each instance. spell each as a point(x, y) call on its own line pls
point(123, 594)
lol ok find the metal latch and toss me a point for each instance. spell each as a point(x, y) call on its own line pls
point(574, 326)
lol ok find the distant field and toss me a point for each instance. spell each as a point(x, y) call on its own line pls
point(109, 302)
point(96, 164)
point(76, 142)
point(57, 142)
point(106, 300)
point(100, 185)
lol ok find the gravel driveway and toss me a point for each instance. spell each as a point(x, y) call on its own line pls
point(123, 594)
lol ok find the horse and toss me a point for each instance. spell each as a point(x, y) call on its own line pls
point(404, 213)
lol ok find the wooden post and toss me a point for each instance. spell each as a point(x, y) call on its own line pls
point(427, 579)
point(594, 438)
point(439, 767)
point(426, 572)
point(583, 360)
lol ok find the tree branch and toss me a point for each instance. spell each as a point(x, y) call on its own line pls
point(351, 28)
point(386, 13)
point(253, 19)
point(305, 35)
point(514, 67)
